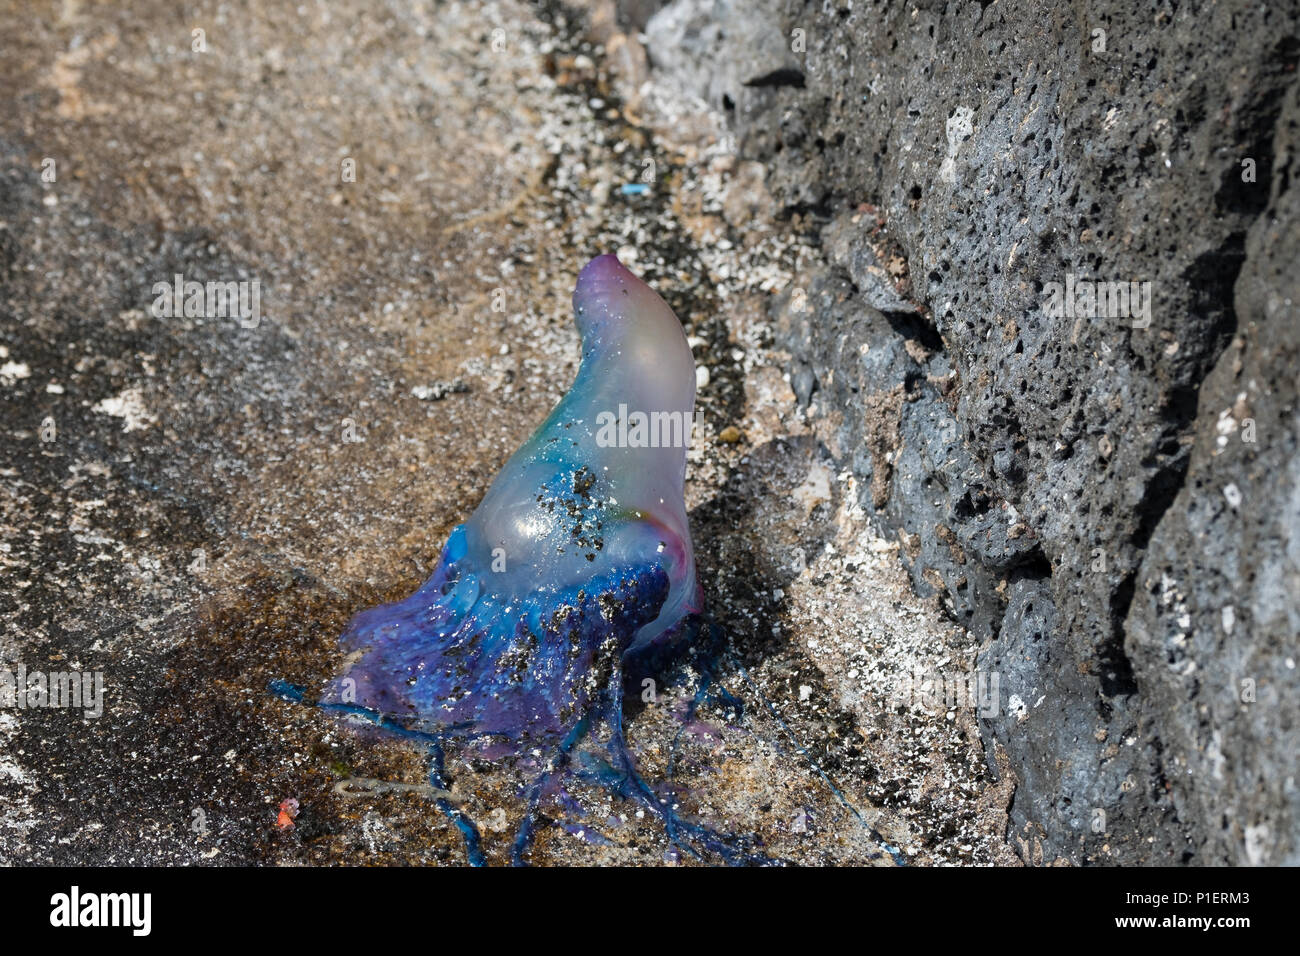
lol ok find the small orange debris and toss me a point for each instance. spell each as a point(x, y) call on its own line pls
point(288, 811)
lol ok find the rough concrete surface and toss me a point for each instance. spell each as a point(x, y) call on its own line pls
point(195, 506)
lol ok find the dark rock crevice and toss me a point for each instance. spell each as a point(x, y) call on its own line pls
point(1030, 461)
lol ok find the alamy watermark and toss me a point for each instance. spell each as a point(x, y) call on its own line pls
point(626, 429)
point(22, 689)
point(933, 692)
point(236, 299)
point(77, 909)
point(1090, 299)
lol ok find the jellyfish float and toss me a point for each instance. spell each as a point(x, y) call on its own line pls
point(576, 563)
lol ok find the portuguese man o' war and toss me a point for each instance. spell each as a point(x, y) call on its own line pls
point(577, 561)
point(579, 553)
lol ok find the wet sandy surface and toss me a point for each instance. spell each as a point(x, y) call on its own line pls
point(195, 507)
